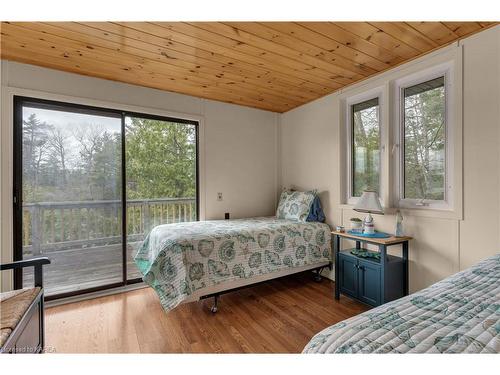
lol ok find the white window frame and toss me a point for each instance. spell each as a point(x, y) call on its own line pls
point(445, 70)
point(350, 101)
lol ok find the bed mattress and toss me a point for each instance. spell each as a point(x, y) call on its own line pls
point(179, 260)
point(460, 314)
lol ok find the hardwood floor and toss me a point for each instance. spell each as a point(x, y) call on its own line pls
point(278, 316)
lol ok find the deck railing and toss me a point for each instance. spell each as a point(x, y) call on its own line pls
point(54, 226)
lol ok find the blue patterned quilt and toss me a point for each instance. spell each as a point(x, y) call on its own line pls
point(460, 314)
point(178, 259)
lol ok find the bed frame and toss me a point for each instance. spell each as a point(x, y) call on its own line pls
point(249, 283)
point(223, 289)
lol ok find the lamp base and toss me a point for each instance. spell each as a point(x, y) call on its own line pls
point(368, 225)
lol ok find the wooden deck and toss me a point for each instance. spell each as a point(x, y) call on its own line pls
point(83, 239)
point(76, 269)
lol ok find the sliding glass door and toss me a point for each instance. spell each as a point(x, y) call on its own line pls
point(89, 184)
point(161, 175)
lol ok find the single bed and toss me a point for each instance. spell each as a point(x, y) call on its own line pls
point(460, 314)
point(184, 262)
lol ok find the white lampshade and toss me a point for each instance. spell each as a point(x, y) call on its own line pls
point(370, 203)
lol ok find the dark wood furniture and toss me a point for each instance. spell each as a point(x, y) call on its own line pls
point(26, 334)
point(370, 280)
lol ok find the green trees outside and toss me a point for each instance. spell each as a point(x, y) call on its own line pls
point(80, 163)
point(424, 151)
point(161, 159)
point(74, 163)
point(424, 142)
point(35, 153)
point(366, 150)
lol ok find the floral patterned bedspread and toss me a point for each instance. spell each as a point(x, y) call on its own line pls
point(460, 314)
point(178, 259)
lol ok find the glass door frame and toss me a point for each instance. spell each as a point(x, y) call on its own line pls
point(19, 102)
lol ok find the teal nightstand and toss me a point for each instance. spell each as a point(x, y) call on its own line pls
point(375, 279)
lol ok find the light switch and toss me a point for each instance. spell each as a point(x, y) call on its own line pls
point(219, 196)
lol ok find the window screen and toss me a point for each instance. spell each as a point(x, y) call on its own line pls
point(425, 140)
point(365, 147)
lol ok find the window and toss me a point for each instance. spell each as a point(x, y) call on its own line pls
point(364, 145)
point(429, 118)
point(402, 137)
point(424, 129)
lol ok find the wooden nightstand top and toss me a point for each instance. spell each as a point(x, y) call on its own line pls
point(381, 241)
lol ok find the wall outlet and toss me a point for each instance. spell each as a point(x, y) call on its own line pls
point(219, 196)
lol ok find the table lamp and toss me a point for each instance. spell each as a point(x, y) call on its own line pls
point(369, 203)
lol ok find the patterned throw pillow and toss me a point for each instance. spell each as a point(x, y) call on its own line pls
point(295, 205)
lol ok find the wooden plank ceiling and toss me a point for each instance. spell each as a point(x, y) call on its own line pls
point(269, 65)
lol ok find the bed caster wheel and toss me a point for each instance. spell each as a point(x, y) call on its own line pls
point(214, 308)
point(317, 276)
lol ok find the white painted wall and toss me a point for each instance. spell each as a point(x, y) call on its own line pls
point(310, 157)
point(480, 229)
point(238, 145)
point(241, 155)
